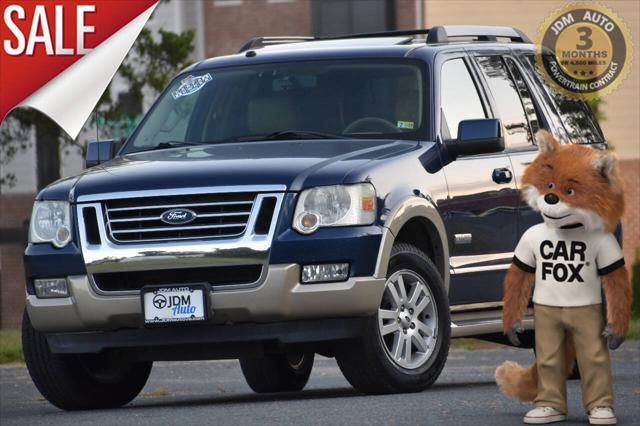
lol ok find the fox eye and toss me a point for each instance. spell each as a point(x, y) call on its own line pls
point(551, 185)
point(571, 192)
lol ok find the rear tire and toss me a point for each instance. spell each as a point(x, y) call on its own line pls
point(80, 382)
point(278, 373)
point(372, 363)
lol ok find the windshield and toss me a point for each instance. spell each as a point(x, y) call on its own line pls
point(354, 99)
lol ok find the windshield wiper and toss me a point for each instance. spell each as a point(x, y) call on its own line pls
point(285, 135)
point(169, 144)
point(301, 134)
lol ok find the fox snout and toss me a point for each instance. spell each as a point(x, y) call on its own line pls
point(551, 198)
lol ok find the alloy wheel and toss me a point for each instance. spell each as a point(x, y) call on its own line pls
point(408, 320)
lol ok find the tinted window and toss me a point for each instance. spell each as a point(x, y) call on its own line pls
point(576, 116)
point(459, 99)
point(355, 99)
point(525, 95)
point(505, 94)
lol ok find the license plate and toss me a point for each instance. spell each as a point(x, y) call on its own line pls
point(174, 304)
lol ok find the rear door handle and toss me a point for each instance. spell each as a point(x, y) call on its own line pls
point(501, 175)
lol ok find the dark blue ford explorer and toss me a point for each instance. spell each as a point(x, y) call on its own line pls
point(355, 197)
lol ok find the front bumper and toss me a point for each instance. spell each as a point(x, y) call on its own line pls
point(206, 341)
point(280, 297)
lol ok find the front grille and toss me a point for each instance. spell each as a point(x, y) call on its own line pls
point(216, 216)
point(218, 275)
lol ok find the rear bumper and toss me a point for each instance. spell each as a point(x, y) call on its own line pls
point(280, 297)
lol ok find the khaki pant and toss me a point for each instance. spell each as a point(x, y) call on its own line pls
point(585, 323)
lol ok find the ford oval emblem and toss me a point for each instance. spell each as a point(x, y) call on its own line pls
point(178, 216)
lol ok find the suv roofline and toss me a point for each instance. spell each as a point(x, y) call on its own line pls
point(437, 34)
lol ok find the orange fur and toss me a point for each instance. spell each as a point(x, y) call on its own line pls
point(571, 166)
point(517, 382)
point(596, 180)
point(617, 291)
point(517, 290)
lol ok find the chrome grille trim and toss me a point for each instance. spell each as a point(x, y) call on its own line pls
point(178, 228)
point(248, 248)
point(139, 219)
point(185, 205)
point(179, 191)
point(158, 217)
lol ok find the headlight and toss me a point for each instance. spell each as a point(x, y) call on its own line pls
point(339, 205)
point(50, 222)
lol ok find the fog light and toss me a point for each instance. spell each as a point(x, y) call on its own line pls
point(51, 287)
point(324, 273)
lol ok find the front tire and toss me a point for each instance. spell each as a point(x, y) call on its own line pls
point(80, 382)
point(278, 373)
point(406, 344)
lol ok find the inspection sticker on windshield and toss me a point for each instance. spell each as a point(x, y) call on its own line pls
point(191, 84)
point(405, 125)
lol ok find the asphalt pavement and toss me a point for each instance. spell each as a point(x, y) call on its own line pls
point(214, 392)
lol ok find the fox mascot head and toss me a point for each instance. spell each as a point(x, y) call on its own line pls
point(572, 183)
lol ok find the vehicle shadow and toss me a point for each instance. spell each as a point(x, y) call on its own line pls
point(312, 394)
point(244, 398)
point(462, 385)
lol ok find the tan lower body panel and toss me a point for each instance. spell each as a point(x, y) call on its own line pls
point(279, 298)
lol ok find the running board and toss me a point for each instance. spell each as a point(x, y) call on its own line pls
point(469, 324)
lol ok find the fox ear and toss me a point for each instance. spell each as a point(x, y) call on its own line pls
point(546, 141)
point(605, 165)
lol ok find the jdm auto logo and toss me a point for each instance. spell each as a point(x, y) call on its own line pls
point(159, 301)
point(592, 48)
point(178, 216)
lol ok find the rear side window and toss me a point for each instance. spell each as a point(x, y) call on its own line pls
point(459, 99)
point(576, 116)
point(510, 108)
point(525, 96)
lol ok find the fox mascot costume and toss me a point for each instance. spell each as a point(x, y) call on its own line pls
point(568, 260)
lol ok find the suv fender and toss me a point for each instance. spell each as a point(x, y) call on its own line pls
point(408, 209)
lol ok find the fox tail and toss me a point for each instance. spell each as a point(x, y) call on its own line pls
point(516, 381)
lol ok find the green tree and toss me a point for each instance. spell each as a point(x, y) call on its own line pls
point(147, 69)
point(15, 137)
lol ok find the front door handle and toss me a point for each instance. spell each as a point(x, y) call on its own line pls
point(501, 175)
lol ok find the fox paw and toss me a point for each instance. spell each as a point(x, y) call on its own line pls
point(613, 340)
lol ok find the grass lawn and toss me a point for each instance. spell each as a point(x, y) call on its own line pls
point(634, 329)
point(11, 346)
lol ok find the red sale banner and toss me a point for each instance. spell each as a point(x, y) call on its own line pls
point(58, 56)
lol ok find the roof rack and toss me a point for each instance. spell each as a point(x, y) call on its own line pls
point(439, 34)
point(483, 33)
point(258, 42)
point(390, 33)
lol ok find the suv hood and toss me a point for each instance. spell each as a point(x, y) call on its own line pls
point(295, 164)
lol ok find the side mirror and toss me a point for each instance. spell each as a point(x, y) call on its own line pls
point(101, 151)
point(478, 136)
